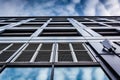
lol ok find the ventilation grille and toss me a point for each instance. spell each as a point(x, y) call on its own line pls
point(80, 52)
point(5, 55)
point(64, 46)
point(64, 52)
point(32, 46)
point(46, 46)
point(43, 52)
point(3, 45)
point(78, 46)
point(64, 56)
point(82, 56)
point(25, 56)
point(9, 50)
point(43, 56)
point(15, 46)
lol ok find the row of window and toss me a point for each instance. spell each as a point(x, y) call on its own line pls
point(63, 18)
point(62, 24)
point(55, 32)
point(44, 52)
point(59, 73)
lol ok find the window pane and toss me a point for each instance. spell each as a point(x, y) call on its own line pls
point(59, 32)
point(26, 74)
point(79, 73)
point(17, 33)
point(108, 32)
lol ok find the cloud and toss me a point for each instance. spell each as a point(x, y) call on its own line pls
point(59, 8)
point(90, 7)
point(113, 7)
point(12, 8)
point(101, 10)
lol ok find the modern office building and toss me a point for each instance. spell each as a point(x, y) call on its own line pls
point(60, 48)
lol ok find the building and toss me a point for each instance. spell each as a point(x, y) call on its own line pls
point(61, 47)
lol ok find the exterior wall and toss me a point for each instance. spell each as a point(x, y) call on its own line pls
point(60, 41)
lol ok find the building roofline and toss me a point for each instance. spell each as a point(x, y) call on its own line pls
point(58, 16)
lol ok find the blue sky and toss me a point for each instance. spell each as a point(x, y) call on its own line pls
point(59, 7)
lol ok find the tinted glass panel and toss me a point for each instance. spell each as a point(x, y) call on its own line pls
point(79, 73)
point(93, 25)
point(17, 33)
point(26, 74)
point(108, 32)
point(60, 32)
point(3, 45)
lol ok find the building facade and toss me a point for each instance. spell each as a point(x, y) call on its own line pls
point(64, 47)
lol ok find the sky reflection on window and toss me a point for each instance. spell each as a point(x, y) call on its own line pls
point(26, 74)
point(79, 73)
point(60, 73)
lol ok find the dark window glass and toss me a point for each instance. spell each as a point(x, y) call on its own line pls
point(59, 24)
point(59, 32)
point(108, 32)
point(113, 24)
point(30, 25)
point(93, 25)
point(59, 19)
point(2, 24)
point(17, 33)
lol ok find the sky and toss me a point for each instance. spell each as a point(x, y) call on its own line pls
point(59, 7)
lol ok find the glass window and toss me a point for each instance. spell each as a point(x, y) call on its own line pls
point(108, 32)
point(93, 24)
point(79, 73)
point(59, 32)
point(26, 74)
point(17, 33)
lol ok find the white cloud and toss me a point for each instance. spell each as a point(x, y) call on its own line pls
point(113, 7)
point(50, 8)
point(12, 8)
point(43, 74)
point(90, 7)
point(76, 1)
point(87, 74)
point(101, 10)
point(99, 74)
point(19, 8)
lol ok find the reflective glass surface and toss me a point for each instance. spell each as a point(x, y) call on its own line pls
point(60, 73)
point(79, 73)
point(25, 74)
